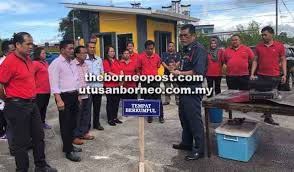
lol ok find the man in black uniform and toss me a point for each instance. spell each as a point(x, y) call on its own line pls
point(193, 62)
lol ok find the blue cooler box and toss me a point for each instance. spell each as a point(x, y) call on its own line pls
point(237, 142)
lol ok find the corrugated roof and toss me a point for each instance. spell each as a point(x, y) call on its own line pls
point(127, 10)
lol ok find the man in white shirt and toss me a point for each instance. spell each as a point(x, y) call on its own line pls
point(6, 47)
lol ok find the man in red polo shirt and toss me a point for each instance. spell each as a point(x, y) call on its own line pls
point(237, 58)
point(134, 56)
point(270, 54)
point(149, 63)
point(21, 112)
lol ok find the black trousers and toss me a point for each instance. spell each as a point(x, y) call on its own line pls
point(238, 82)
point(153, 96)
point(42, 102)
point(214, 82)
point(25, 126)
point(191, 121)
point(129, 96)
point(96, 101)
point(84, 118)
point(3, 124)
point(112, 105)
point(68, 119)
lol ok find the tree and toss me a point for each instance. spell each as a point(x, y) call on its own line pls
point(66, 24)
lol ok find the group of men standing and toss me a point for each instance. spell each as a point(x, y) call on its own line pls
point(67, 75)
point(244, 68)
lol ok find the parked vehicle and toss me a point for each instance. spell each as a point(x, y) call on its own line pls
point(288, 86)
point(51, 56)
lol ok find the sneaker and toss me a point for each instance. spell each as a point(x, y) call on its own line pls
point(47, 126)
point(4, 137)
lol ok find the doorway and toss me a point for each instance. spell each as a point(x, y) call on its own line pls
point(122, 40)
point(161, 42)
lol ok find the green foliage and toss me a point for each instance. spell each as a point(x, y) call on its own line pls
point(250, 36)
point(66, 24)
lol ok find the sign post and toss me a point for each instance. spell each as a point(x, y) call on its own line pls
point(141, 108)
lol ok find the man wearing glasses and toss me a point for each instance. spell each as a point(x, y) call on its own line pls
point(193, 62)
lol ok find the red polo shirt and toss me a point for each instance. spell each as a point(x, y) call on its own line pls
point(115, 68)
point(149, 65)
point(17, 76)
point(129, 69)
point(237, 61)
point(42, 77)
point(134, 56)
point(269, 58)
point(215, 67)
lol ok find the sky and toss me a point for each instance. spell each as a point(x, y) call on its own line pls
point(41, 17)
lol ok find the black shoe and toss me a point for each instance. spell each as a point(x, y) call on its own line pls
point(161, 120)
point(72, 156)
point(47, 168)
point(76, 149)
point(182, 147)
point(99, 128)
point(117, 121)
point(270, 121)
point(165, 103)
point(112, 123)
point(150, 119)
point(194, 156)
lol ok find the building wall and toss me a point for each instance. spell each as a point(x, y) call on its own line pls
point(153, 26)
point(119, 23)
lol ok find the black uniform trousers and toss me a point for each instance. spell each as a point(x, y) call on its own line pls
point(68, 119)
point(191, 121)
point(24, 126)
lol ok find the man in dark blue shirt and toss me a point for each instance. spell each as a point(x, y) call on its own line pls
point(170, 61)
point(193, 62)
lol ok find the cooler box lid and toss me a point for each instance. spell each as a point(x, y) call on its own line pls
point(245, 130)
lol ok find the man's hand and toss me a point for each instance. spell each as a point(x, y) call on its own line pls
point(60, 105)
point(176, 72)
point(252, 77)
point(80, 99)
point(284, 79)
point(2, 92)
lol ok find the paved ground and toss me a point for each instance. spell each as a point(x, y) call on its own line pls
point(115, 149)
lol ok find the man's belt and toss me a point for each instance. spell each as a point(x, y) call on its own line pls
point(70, 92)
point(15, 99)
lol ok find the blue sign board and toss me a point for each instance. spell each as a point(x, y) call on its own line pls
point(141, 108)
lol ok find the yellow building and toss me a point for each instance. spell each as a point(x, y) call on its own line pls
point(119, 25)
